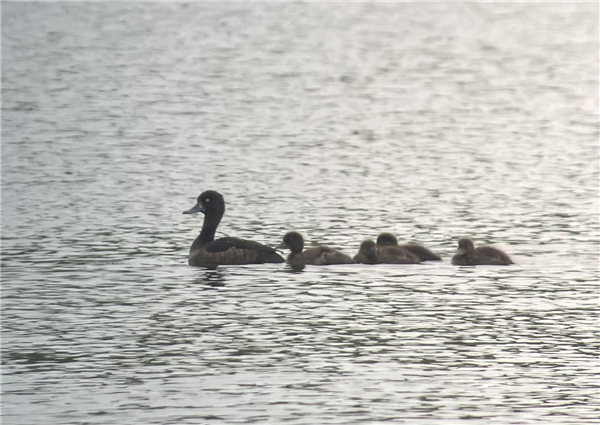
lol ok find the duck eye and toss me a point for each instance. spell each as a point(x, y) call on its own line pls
point(207, 200)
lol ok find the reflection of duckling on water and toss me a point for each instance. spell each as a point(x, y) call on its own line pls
point(319, 255)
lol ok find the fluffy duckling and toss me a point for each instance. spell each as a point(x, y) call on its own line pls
point(424, 254)
point(319, 255)
point(468, 255)
point(369, 253)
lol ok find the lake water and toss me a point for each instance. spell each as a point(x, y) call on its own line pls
point(432, 121)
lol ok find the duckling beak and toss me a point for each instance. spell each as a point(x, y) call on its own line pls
point(460, 251)
point(194, 210)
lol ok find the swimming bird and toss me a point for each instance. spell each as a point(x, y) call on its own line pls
point(468, 255)
point(425, 254)
point(208, 252)
point(369, 253)
point(319, 255)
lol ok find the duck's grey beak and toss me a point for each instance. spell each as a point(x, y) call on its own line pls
point(282, 245)
point(460, 251)
point(194, 210)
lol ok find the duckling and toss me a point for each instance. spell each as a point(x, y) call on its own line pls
point(468, 255)
point(319, 256)
point(208, 252)
point(369, 253)
point(424, 254)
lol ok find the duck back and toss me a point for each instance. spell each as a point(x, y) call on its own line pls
point(234, 251)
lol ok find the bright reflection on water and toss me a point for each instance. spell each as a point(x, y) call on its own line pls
point(432, 121)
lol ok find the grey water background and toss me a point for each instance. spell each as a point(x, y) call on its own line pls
point(432, 121)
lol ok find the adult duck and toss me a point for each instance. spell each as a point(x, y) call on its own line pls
point(468, 255)
point(424, 254)
point(208, 252)
point(318, 256)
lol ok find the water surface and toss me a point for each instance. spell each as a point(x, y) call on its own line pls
point(431, 121)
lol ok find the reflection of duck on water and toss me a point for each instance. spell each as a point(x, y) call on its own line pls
point(213, 278)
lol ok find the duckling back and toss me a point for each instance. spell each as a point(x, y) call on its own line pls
point(319, 255)
point(468, 255)
point(425, 254)
point(324, 256)
point(395, 255)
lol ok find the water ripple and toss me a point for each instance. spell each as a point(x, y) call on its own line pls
point(340, 123)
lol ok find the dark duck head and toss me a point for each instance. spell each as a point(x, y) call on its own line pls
point(212, 205)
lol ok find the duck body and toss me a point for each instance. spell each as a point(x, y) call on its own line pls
point(318, 256)
point(208, 252)
point(423, 253)
point(468, 255)
point(233, 251)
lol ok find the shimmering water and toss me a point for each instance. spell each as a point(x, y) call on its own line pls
point(432, 121)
